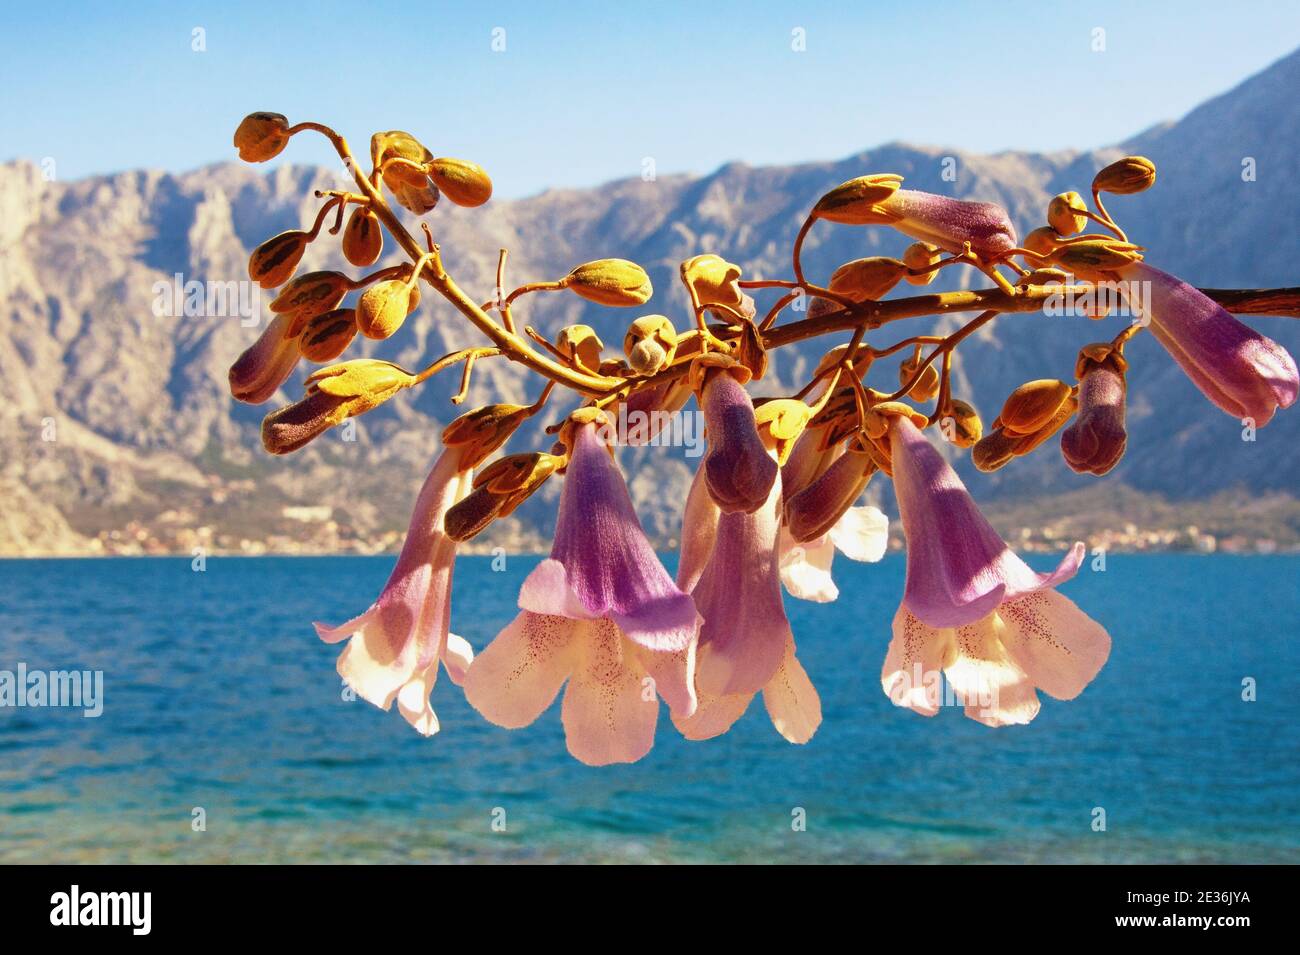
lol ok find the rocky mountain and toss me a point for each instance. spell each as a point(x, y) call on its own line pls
point(118, 433)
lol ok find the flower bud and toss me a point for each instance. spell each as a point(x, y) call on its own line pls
point(962, 425)
point(1092, 259)
point(261, 136)
point(483, 430)
point(327, 336)
point(1044, 277)
point(464, 183)
point(409, 185)
point(498, 489)
point(713, 279)
point(334, 394)
point(581, 345)
point(1024, 443)
point(363, 237)
point(1042, 241)
point(274, 261)
point(858, 201)
point(867, 280)
point(927, 386)
point(615, 282)
point(993, 450)
point(921, 255)
point(818, 507)
point(1032, 405)
point(383, 308)
point(650, 344)
point(1065, 213)
point(1124, 176)
point(260, 371)
point(1096, 441)
point(310, 295)
point(781, 421)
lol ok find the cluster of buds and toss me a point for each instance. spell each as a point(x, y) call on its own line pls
point(778, 491)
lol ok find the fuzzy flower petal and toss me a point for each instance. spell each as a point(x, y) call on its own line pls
point(950, 223)
point(958, 568)
point(1239, 370)
point(394, 648)
point(601, 563)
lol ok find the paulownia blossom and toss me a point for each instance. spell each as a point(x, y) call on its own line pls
point(394, 648)
point(729, 562)
point(601, 613)
point(1238, 369)
point(973, 609)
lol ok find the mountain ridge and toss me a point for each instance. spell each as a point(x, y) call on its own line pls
point(143, 426)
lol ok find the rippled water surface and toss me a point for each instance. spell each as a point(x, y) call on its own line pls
point(218, 695)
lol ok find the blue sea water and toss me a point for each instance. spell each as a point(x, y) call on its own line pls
point(219, 697)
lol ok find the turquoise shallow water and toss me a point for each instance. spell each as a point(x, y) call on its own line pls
point(218, 695)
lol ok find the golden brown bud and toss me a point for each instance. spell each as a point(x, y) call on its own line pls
point(867, 280)
point(993, 450)
point(327, 336)
point(714, 280)
point(464, 183)
point(363, 237)
point(616, 282)
point(498, 489)
point(581, 345)
point(918, 256)
point(1094, 258)
point(310, 295)
point(962, 425)
point(261, 136)
point(1042, 240)
point(927, 386)
point(781, 421)
point(274, 261)
point(410, 184)
point(650, 344)
point(1128, 175)
point(1026, 443)
point(483, 430)
point(1032, 405)
point(334, 394)
point(857, 202)
point(1065, 213)
point(383, 308)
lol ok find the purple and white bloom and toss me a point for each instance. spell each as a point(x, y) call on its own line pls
point(729, 562)
point(973, 609)
point(394, 648)
point(602, 613)
point(1238, 369)
point(950, 223)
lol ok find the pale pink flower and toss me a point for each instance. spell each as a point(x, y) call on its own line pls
point(395, 647)
point(973, 609)
point(729, 562)
point(1096, 440)
point(601, 613)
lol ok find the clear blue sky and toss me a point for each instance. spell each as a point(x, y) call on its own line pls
point(583, 92)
